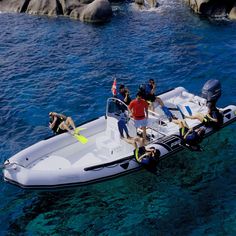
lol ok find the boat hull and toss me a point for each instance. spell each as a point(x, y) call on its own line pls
point(27, 168)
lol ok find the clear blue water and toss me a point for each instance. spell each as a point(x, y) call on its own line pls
point(58, 64)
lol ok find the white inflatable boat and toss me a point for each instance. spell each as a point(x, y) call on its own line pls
point(63, 161)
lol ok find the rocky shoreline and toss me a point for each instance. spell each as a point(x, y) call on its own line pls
point(100, 11)
point(214, 8)
point(94, 11)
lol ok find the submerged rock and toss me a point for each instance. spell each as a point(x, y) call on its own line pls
point(85, 10)
point(212, 8)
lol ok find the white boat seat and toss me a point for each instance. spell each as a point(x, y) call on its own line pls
point(109, 144)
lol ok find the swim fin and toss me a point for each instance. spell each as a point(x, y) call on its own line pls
point(79, 129)
point(81, 138)
point(167, 112)
point(188, 109)
point(182, 114)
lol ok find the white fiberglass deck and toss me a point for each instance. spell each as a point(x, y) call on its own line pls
point(100, 149)
point(106, 146)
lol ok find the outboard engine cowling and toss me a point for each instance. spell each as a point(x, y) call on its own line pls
point(211, 91)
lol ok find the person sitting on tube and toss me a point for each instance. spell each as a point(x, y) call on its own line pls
point(59, 123)
point(143, 155)
point(213, 118)
point(191, 138)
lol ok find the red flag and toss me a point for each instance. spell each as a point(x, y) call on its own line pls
point(113, 88)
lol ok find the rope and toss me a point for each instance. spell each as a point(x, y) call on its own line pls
point(8, 163)
point(4, 165)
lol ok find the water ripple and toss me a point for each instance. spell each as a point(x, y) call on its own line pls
point(58, 64)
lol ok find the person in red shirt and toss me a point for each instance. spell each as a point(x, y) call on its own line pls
point(139, 111)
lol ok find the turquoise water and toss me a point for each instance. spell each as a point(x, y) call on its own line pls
point(49, 64)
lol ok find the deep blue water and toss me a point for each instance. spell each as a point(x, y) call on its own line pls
point(58, 64)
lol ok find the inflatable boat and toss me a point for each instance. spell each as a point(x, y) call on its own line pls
point(63, 161)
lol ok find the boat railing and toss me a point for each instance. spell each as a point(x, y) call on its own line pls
point(159, 121)
point(120, 105)
point(115, 107)
point(156, 115)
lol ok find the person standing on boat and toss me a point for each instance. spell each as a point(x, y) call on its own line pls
point(148, 93)
point(59, 123)
point(122, 124)
point(123, 94)
point(139, 110)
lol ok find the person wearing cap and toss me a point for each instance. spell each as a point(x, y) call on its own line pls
point(60, 123)
point(139, 110)
point(123, 94)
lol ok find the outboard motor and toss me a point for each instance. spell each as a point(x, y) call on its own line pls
point(211, 91)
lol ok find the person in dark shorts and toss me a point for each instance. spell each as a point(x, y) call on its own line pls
point(123, 94)
point(147, 92)
point(59, 123)
point(190, 137)
point(143, 155)
point(213, 118)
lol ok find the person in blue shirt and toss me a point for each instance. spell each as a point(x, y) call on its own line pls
point(148, 93)
point(123, 119)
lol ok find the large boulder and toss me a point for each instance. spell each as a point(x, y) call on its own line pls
point(232, 14)
point(151, 3)
point(13, 5)
point(44, 7)
point(195, 4)
point(76, 13)
point(212, 8)
point(86, 10)
point(98, 11)
point(69, 5)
